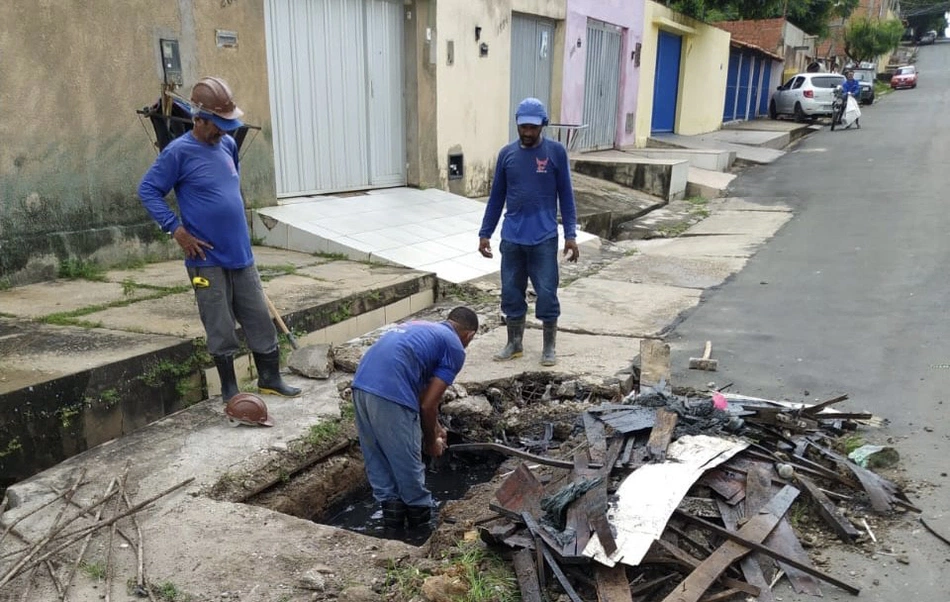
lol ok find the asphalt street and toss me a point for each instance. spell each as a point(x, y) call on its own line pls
point(850, 297)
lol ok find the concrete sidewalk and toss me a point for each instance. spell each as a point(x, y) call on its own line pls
point(618, 294)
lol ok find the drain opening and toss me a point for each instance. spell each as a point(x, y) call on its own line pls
point(448, 480)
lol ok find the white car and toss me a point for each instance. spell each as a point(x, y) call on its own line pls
point(805, 95)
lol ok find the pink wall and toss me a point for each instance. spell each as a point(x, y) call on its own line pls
point(627, 14)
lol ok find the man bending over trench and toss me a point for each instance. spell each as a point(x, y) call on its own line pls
point(396, 393)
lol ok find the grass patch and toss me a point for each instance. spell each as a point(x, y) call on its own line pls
point(851, 443)
point(332, 256)
point(269, 272)
point(487, 577)
point(72, 318)
point(674, 230)
point(257, 241)
point(169, 592)
point(880, 89)
point(79, 269)
point(94, 570)
point(322, 432)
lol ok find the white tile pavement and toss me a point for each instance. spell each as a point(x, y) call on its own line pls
point(429, 230)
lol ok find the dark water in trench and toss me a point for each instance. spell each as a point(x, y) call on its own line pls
point(448, 481)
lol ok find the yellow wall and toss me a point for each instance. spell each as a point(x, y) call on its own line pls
point(703, 67)
point(473, 93)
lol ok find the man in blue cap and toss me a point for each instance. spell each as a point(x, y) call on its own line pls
point(532, 180)
point(202, 167)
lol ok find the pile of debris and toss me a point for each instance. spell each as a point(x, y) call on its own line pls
point(685, 499)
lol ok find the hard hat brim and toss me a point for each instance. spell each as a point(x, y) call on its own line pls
point(226, 125)
point(529, 120)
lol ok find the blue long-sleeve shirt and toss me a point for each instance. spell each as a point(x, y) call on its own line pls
point(531, 184)
point(852, 87)
point(208, 189)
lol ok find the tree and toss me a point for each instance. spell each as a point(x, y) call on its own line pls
point(865, 39)
point(810, 15)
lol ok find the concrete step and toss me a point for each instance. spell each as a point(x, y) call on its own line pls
point(704, 158)
point(707, 184)
point(745, 154)
point(120, 356)
point(663, 178)
point(794, 129)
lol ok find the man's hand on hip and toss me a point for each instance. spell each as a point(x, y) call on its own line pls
point(192, 246)
point(571, 251)
point(484, 247)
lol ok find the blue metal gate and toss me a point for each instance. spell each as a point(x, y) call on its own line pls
point(666, 82)
point(766, 88)
point(732, 83)
point(754, 90)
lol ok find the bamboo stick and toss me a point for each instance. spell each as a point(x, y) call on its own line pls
point(85, 544)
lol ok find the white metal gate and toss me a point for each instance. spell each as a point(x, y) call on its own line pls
point(531, 61)
point(601, 86)
point(335, 70)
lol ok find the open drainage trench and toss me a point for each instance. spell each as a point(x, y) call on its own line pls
point(537, 413)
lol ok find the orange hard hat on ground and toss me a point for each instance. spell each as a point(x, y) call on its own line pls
point(249, 409)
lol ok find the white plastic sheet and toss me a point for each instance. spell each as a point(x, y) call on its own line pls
point(851, 112)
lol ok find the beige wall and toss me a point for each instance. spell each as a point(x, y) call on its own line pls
point(73, 149)
point(703, 65)
point(473, 94)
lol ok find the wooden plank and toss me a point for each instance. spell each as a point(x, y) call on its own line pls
point(686, 559)
point(527, 574)
point(756, 529)
point(612, 584)
point(627, 450)
point(654, 362)
point(662, 434)
point(596, 437)
point(630, 419)
point(880, 490)
point(828, 511)
point(750, 566)
point(782, 539)
point(549, 559)
point(726, 595)
point(815, 409)
point(521, 492)
point(723, 483)
point(770, 552)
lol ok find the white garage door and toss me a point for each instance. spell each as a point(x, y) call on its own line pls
point(336, 89)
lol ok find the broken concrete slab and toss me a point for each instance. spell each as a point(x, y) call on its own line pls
point(313, 361)
point(603, 205)
point(749, 155)
point(761, 138)
point(751, 204)
point(707, 184)
point(726, 245)
point(606, 307)
point(595, 357)
point(174, 315)
point(704, 158)
point(762, 223)
point(664, 178)
point(167, 274)
point(61, 296)
point(684, 272)
point(33, 353)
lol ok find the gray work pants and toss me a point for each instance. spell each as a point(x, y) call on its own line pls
point(233, 296)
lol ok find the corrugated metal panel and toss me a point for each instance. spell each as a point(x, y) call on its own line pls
point(531, 61)
point(601, 86)
point(320, 86)
point(387, 107)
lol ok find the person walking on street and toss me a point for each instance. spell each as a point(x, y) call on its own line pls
point(397, 390)
point(201, 166)
point(532, 180)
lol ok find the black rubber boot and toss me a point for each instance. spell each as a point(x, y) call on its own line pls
point(394, 514)
point(514, 347)
point(418, 516)
point(548, 356)
point(268, 375)
point(229, 386)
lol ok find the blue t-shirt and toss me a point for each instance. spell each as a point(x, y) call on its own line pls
point(399, 366)
point(530, 184)
point(208, 188)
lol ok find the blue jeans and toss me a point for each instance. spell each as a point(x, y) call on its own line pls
point(537, 262)
point(391, 441)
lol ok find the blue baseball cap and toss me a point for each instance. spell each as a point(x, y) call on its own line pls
point(531, 112)
point(225, 125)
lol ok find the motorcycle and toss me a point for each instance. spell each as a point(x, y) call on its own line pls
point(844, 110)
